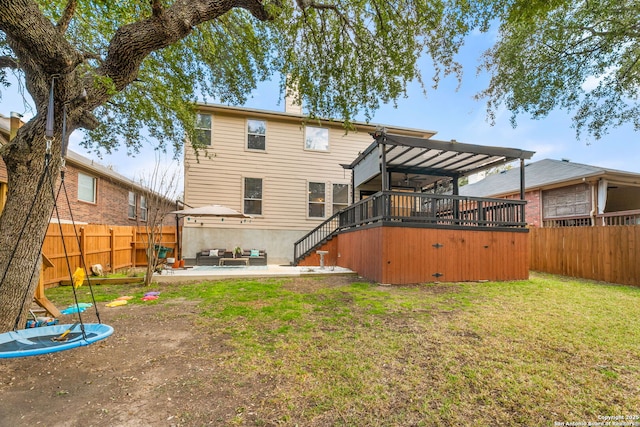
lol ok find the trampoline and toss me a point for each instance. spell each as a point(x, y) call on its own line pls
point(42, 340)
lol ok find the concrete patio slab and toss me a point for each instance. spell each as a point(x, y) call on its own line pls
point(204, 273)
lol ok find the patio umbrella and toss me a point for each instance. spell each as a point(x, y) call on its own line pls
point(211, 210)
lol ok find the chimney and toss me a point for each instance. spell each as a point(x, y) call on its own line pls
point(15, 123)
point(291, 105)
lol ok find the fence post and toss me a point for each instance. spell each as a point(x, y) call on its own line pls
point(112, 251)
point(83, 246)
point(134, 246)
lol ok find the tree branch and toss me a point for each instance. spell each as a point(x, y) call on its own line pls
point(132, 43)
point(9, 62)
point(67, 15)
point(156, 7)
point(31, 35)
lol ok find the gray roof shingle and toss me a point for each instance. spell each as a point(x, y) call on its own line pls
point(537, 174)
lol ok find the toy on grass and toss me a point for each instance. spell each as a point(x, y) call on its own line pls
point(116, 303)
point(78, 277)
point(78, 308)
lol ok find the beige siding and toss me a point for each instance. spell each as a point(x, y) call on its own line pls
point(285, 168)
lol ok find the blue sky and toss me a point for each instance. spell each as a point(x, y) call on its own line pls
point(454, 114)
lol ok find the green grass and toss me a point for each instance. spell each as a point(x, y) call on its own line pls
point(536, 352)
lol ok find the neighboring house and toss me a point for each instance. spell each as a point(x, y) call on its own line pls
point(97, 194)
point(561, 193)
point(281, 168)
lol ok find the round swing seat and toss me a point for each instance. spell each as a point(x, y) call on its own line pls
point(36, 341)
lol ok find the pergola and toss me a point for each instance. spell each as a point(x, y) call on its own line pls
point(393, 159)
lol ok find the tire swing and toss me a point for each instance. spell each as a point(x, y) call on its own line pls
point(51, 339)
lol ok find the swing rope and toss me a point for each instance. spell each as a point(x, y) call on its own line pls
point(83, 263)
point(63, 188)
point(47, 173)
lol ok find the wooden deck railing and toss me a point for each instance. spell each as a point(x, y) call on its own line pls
point(417, 209)
point(631, 217)
point(620, 218)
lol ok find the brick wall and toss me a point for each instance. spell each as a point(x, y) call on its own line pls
point(112, 202)
point(532, 211)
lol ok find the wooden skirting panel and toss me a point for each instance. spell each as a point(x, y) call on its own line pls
point(400, 255)
point(330, 259)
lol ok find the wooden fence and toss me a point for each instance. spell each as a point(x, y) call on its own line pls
point(610, 254)
point(114, 247)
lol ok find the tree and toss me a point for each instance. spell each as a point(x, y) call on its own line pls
point(579, 56)
point(161, 186)
point(118, 68)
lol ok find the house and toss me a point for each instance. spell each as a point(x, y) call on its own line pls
point(561, 193)
point(369, 199)
point(98, 195)
point(282, 169)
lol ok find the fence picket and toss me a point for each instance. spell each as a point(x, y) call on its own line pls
point(114, 247)
point(606, 253)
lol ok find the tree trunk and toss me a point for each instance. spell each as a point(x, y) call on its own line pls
point(25, 219)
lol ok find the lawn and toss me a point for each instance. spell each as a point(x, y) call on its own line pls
point(546, 351)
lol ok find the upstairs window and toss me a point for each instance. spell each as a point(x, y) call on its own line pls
point(340, 197)
point(316, 199)
point(256, 134)
point(131, 213)
point(143, 208)
point(203, 129)
point(253, 196)
point(86, 188)
point(316, 139)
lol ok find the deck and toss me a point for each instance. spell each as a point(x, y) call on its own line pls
point(400, 238)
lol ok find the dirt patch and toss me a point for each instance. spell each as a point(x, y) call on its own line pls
point(147, 373)
point(157, 369)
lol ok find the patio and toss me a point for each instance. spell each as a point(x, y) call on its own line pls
point(204, 273)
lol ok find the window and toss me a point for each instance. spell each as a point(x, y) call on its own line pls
point(132, 205)
point(143, 208)
point(203, 129)
point(86, 188)
point(316, 139)
point(256, 134)
point(316, 199)
point(253, 196)
point(340, 197)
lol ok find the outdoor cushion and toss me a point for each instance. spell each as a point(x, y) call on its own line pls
point(255, 252)
point(213, 252)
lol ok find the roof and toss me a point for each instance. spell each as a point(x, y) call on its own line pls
point(79, 161)
point(438, 158)
point(259, 113)
point(543, 173)
point(87, 164)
